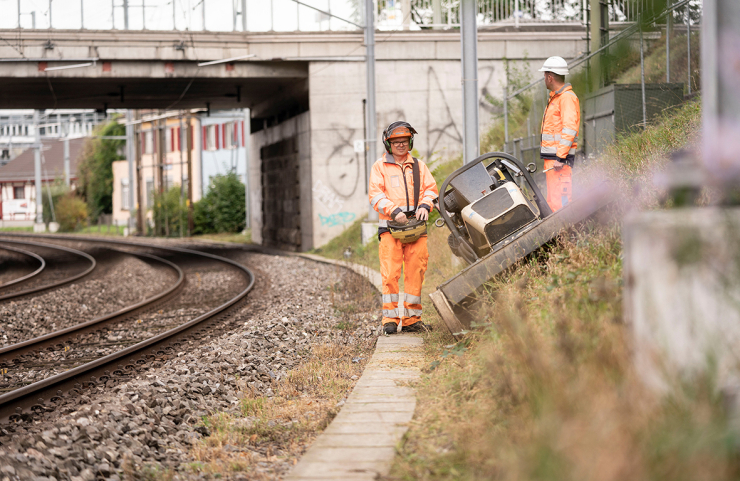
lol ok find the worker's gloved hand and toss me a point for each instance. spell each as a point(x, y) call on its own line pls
point(558, 165)
point(401, 218)
point(422, 213)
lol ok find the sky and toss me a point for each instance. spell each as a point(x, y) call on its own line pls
point(262, 15)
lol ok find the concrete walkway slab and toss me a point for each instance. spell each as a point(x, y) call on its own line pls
point(360, 443)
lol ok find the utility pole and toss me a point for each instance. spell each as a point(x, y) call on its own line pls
point(82, 14)
point(372, 121)
point(19, 13)
point(247, 153)
point(189, 144)
point(125, 14)
point(37, 169)
point(469, 40)
point(140, 208)
point(599, 36)
point(66, 157)
point(130, 148)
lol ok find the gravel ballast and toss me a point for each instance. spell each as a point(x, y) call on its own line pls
point(150, 424)
point(125, 281)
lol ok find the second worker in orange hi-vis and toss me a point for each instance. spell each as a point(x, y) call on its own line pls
point(560, 125)
point(395, 195)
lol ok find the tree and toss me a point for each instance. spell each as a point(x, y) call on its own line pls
point(95, 171)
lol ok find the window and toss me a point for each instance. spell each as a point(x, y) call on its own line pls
point(211, 137)
point(19, 192)
point(149, 142)
point(230, 139)
point(149, 192)
point(168, 140)
point(124, 195)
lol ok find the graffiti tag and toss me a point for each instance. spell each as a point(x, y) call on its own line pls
point(337, 219)
point(327, 197)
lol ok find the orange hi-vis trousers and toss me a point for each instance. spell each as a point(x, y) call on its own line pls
point(412, 258)
point(559, 185)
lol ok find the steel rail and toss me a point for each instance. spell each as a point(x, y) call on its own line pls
point(7, 353)
point(27, 276)
point(36, 396)
point(53, 285)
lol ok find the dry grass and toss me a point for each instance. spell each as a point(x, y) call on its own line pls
point(280, 428)
point(268, 434)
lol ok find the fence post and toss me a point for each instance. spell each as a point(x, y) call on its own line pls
point(506, 117)
point(688, 45)
point(642, 76)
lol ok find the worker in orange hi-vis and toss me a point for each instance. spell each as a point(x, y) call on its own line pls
point(403, 192)
point(560, 125)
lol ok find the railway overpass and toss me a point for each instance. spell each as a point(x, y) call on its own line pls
point(306, 92)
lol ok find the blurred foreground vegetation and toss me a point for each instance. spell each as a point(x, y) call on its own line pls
point(545, 388)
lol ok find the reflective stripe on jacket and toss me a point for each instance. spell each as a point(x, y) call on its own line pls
point(392, 187)
point(560, 124)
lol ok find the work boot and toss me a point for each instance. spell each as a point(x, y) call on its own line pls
point(418, 326)
point(390, 328)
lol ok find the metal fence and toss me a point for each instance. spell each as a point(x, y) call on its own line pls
point(291, 15)
point(644, 70)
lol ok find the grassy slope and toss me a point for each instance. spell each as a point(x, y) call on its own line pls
point(655, 64)
point(547, 389)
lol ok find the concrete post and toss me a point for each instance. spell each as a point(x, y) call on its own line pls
point(143, 14)
point(720, 98)
point(244, 15)
point(82, 14)
point(247, 152)
point(469, 40)
point(125, 14)
point(130, 158)
point(19, 13)
point(372, 121)
point(140, 210)
point(437, 13)
point(50, 24)
point(37, 168)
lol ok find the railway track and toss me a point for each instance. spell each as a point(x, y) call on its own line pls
point(112, 348)
point(32, 255)
point(61, 258)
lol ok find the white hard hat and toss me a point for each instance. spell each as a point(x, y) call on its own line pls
point(556, 65)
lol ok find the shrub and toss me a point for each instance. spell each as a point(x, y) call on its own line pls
point(71, 212)
point(58, 190)
point(222, 209)
point(170, 212)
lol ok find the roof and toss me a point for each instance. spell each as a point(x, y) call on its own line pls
point(52, 162)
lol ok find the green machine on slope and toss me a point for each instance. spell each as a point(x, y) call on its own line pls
point(497, 215)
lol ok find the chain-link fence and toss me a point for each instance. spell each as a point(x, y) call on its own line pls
point(643, 70)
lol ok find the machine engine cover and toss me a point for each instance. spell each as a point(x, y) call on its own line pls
point(497, 215)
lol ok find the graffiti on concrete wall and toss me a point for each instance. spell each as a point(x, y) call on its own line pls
point(327, 198)
point(340, 218)
point(343, 163)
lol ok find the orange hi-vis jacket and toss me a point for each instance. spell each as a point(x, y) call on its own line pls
point(560, 124)
point(392, 187)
